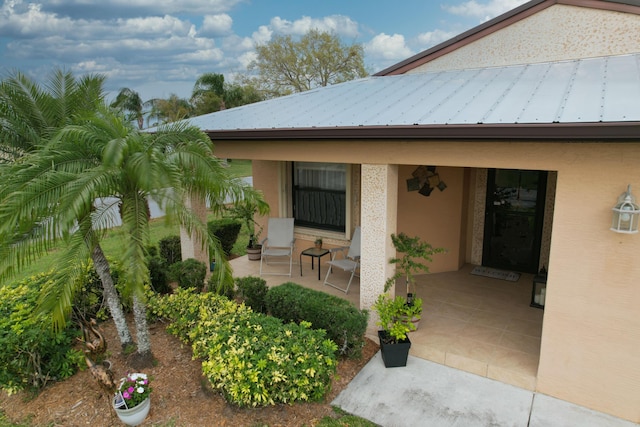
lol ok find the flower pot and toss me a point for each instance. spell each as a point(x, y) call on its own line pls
point(133, 416)
point(254, 253)
point(393, 354)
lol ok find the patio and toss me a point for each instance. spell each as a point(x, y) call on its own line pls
point(476, 324)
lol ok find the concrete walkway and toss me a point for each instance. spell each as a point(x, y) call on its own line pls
point(432, 395)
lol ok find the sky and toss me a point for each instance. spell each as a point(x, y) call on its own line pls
point(160, 47)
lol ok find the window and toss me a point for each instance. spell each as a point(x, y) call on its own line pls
point(319, 195)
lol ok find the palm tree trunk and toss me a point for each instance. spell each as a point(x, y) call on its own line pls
point(101, 265)
point(144, 358)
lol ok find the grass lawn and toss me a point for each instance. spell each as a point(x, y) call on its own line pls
point(112, 244)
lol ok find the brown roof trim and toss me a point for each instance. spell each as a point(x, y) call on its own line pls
point(561, 132)
point(498, 23)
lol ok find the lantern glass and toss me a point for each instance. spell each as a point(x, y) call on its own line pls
point(539, 289)
point(626, 214)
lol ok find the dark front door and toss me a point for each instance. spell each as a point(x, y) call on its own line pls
point(513, 221)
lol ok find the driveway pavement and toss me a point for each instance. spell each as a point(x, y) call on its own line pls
point(428, 394)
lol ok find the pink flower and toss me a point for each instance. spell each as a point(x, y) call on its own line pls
point(126, 395)
point(130, 390)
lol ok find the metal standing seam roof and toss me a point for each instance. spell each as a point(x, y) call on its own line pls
point(584, 91)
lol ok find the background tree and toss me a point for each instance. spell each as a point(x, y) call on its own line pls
point(318, 59)
point(211, 93)
point(168, 110)
point(129, 102)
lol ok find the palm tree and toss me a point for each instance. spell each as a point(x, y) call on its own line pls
point(169, 110)
point(129, 100)
point(30, 114)
point(106, 157)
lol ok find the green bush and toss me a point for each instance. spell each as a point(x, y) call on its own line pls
point(253, 290)
point(227, 231)
point(158, 274)
point(189, 273)
point(253, 359)
point(31, 352)
point(345, 324)
point(170, 249)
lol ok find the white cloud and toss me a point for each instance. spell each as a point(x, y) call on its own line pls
point(484, 11)
point(387, 47)
point(262, 35)
point(216, 25)
point(201, 7)
point(432, 38)
point(337, 24)
point(208, 56)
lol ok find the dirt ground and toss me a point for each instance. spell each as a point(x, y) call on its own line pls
point(180, 397)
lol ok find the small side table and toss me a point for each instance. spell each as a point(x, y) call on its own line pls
point(313, 253)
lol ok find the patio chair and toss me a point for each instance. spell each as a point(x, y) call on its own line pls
point(349, 261)
point(278, 244)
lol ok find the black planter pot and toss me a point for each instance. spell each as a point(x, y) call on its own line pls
point(395, 354)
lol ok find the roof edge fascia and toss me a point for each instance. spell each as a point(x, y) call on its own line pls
point(496, 24)
point(610, 131)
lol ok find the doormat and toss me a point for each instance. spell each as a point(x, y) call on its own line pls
point(494, 273)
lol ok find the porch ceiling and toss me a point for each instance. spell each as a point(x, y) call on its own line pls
point(543, 100)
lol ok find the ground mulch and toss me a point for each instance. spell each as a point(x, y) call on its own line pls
point(181, 395)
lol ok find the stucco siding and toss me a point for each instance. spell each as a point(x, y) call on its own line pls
point(557, 33)
point(590, 353)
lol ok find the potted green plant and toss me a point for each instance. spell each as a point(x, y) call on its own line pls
point(318, 243)
point(394, 319)
point(246, 211)
point(412, 252)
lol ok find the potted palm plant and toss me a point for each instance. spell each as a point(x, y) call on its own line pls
point(246, 211)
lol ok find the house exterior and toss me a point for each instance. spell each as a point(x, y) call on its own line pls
point(530, 126)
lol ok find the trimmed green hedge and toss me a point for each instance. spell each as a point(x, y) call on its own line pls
point(345, 324)
point(253, 359)
point(227, 231)
point(31, 352)
point(253, 290)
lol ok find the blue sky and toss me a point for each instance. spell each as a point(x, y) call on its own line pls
point(160, 47)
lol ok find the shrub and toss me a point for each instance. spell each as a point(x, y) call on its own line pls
point(344, 323)
point(158, 275)
point(170, 249)
point(253, 359)
point(253, 291)
point(31, 352)
point(227, 231)
point(189, 273)
point(225, 288)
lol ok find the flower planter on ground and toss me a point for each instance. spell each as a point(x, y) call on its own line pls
point(134, 416)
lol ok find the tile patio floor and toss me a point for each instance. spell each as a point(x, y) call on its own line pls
point(477, 324)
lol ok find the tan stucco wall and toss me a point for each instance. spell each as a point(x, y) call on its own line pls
point(590, 351)
point(439, 219)
point(556, 33)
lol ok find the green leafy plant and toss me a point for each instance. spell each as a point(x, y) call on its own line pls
point(414, 253)
point(253, 359)
point(133, 390)
point(344, 323)
point(170, 249)
point(246, 211)
point(226, 231)
point(398, 316)
point(32, 353)
point(253, 290)
point(189, 273)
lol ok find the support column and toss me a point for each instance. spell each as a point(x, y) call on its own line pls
point(378, 220)
point(190, 245)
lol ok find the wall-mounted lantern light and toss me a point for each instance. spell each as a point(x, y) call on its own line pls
point(626, 214)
